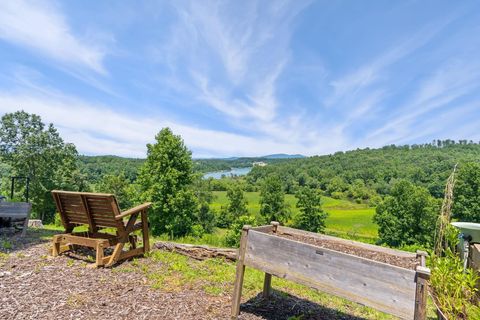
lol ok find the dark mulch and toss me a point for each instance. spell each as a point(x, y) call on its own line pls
point(328, 243)
point(34, 285)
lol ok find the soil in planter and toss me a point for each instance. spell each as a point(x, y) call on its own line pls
point(403, 262)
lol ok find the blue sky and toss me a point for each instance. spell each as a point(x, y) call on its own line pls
point(243, 78)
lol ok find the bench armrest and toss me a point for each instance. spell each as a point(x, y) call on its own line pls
point(133, 210)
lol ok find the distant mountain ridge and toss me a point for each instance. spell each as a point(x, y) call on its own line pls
point(283, 156)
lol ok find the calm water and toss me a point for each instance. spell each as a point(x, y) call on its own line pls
point(232, 172)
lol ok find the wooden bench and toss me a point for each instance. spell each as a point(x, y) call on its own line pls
point(16, 212)
point(99, 211)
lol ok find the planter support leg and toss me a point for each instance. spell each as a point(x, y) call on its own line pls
point(267, 285)
point(422, 276)
point(237, 290)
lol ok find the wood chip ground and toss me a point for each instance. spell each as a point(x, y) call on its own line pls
point(33, 285)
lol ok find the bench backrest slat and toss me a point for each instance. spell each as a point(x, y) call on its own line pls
point(93, 209)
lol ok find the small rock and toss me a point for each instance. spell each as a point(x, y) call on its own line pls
point(35, 223)
point(5, 274)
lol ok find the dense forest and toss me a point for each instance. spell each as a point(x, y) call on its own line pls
point(364, 175)
point(95, 167)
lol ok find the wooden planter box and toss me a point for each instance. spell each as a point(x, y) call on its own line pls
point(388, 288)
point(16, 213)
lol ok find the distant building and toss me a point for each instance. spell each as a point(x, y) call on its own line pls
point(259, 164)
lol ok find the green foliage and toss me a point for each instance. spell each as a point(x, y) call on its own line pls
point(206, 217)
point(407, 216)
point(338, 175)
point(32, 149)
point(454, 288)
point(345, 218)
point(232, 238)
point(311, 217)
point(95, 167)
point(237, 206)
point(165, 179)
point(272, 200)
point(118, 185)
point(466, 205)
point(204, 194)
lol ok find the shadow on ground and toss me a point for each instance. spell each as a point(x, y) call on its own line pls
point(14, 242)
point(283, 306)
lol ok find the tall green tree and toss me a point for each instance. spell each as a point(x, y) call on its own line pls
point(466, 195)
point(165, 179)
point(272, 200)
point(204, 194)
point(237, 205)
point(35, 150)
point(311, 216)
point(407, 216)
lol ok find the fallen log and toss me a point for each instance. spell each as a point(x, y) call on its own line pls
point(198, 252)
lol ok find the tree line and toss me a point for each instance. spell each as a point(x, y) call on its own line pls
point(405, 183)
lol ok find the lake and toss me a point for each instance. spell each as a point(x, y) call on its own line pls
point(227, 173)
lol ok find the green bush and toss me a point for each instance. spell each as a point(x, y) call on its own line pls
point(408, 216)
point(232, 238)
point(454, 288)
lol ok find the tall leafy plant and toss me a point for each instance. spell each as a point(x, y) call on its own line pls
point(165, 179)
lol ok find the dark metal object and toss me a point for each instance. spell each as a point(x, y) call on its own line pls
point(27, 186)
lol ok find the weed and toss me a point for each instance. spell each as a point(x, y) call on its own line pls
point(454, 288)
point(7, 245)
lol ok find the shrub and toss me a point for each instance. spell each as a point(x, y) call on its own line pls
point(453, 287)
point(232, 238)
point(311, 216)
point(408, 216)
point(466, 206)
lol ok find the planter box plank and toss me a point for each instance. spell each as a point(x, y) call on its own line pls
point(381, 286)
point(14, 209)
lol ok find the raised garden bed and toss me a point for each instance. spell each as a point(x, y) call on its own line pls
point(388, 280)
point(15, 215)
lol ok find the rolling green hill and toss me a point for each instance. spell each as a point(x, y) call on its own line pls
point(345, 218)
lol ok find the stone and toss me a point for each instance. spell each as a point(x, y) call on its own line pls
point(35, 223)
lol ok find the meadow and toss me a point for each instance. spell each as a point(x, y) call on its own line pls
point(345, 218)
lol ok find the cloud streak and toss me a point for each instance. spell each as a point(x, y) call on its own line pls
point(41, 27)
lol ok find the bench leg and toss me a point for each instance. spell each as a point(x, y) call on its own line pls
point(133, 241)
point(146, 239)
point(55, 246)
point(99, 255)
point(116, 254)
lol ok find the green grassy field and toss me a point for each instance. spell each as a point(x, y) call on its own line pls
point(345, 218)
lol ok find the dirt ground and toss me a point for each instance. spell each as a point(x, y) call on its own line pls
point(394, 260)
point(34, 285)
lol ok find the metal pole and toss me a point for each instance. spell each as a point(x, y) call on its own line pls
point(11, 191)
point(28, 185)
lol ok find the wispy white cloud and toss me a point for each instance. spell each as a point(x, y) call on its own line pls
point(450, 82)
point(98, 129)
point(232, 49)
point(41, 26)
